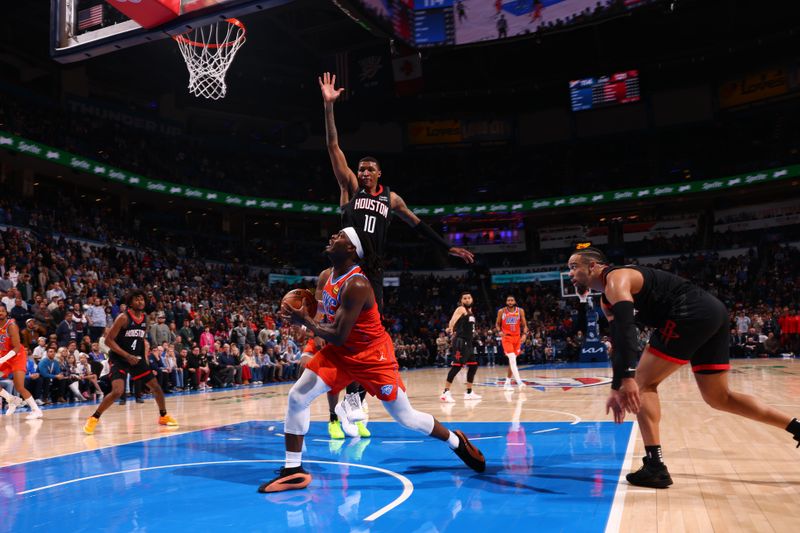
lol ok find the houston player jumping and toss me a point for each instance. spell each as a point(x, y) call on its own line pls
point(368, 207)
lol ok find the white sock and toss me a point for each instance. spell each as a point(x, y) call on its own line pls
point(508, 380)
point(293, 459)
point(512, 362)
point(32, 403)
point(452, 441)
point(6, 396)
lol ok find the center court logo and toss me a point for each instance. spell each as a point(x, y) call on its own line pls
point(565, 383)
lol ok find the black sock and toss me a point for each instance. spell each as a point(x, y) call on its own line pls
point(794, 427)
point(334, 418)
point(469, 390)
point(654, 454)
point(162, 412)
point(96, 414)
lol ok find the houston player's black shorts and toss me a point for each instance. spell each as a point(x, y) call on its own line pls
point(119, 369)
point(463, 352)
point(695, 331)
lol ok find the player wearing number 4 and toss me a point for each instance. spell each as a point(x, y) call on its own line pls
point(125, 339)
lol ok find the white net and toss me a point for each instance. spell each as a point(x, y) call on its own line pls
point(209, 51)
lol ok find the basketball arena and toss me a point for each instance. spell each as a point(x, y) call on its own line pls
point(395, 265)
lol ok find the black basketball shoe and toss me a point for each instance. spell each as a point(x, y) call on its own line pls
point(652, 474)
point(468, 453)
point(288, 479)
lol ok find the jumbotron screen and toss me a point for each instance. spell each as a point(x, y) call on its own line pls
point(425, 23)
point(605, 91)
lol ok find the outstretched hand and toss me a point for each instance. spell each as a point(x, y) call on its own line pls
point(327, 84)
point(463, 253)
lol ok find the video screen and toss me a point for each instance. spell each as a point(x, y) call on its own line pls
point(604, 91)
point(424, 23)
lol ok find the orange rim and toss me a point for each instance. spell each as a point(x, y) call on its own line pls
point(234, 22)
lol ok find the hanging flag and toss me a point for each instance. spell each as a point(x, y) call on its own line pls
point(407, 74)
point(90, 17)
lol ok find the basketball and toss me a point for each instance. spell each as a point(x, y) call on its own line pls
point(304, 297)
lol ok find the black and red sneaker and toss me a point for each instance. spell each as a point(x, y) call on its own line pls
point(468, 453)
point(288, 479)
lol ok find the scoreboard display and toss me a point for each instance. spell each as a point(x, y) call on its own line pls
point(423, 23)
point(605, 91)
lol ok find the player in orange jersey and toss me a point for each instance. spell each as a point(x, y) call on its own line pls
point(12, 363)
point(357, 349)
point(513, 328)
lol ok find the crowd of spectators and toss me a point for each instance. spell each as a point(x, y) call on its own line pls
point(216, 325)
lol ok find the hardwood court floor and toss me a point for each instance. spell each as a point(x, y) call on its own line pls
point(730, 474)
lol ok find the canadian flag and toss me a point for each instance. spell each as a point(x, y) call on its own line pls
point(407, 74)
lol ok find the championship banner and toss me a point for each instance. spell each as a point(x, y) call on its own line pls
point(21, 145)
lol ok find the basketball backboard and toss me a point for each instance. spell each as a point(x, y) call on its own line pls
point(80, 29)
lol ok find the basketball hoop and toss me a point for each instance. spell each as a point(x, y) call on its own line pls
point(209, 51)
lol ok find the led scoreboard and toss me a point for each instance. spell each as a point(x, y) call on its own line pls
point(605, 91)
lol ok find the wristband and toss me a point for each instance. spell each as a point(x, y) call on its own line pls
point(7, 357)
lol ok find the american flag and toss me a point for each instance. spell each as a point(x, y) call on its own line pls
point(90, 17)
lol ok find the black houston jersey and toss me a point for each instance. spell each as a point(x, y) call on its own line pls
point(663, 294)
point(370, 216)
point(131, 338)
point(465, 326)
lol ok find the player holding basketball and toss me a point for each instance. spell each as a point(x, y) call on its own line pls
point(368, 206)
point(357, 348)
point(691, 327)
point(513, 329)
point(462, 327)
point(125, 339)
point(12, 363)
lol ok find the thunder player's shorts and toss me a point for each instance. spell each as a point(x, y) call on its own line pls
point(375, 369)
point(15, 364)
point(310, 348)
point(463, 352)
point(511, 345)
point(697, 332)
point(120, 369)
